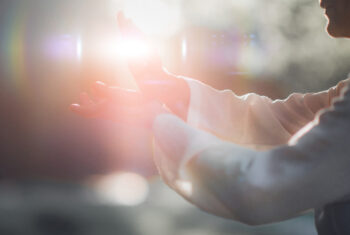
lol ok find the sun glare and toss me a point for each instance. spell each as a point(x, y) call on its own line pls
point(184, 49)
point(79, 48)
point(124, 48)
point(132, 48)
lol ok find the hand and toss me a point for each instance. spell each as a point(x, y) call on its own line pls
point(118, 105)
point(147, 67)
point(153, 80)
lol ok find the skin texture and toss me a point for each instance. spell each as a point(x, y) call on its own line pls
point(338, 15)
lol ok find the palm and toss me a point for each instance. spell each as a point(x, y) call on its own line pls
point(118, 105)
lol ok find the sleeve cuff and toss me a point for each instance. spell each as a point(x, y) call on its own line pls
point(176, 143)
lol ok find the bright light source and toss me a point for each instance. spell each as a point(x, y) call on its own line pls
point(79, 48)
point(124, 48)
point(184, 49)
point(123, 188)
point(132, 48)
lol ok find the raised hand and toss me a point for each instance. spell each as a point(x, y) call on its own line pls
point(153, 80)
point(146, 67)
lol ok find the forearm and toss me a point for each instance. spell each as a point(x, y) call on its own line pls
point(250, 120)
point(245, 120)
point(258, 187)
point(254, 120)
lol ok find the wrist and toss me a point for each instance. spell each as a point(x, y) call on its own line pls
point(169, 89)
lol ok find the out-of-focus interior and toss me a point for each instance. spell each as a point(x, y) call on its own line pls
point(62, 174)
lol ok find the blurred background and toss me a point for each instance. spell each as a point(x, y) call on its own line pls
point(62, 174)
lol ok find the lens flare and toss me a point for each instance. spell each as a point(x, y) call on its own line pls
point(124, 48)
point(184, 49)
point(79, 48)
point(64, 47)
point(13, 44)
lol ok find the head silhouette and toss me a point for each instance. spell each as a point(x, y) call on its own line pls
point(338, 14)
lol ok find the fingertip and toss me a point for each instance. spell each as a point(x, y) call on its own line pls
point(99, 88)
point(99, 83)
point(120, 14)
point(74, 107)
point(121, 18)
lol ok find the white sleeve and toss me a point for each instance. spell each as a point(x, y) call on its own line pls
point(258, 187)
point(253, 120)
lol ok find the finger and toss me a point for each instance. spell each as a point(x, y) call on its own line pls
point(120, 18)
point(99, 89)
point(122, 23)
point(131, 26)
point(85, 99)
point(90, 111)
point(118, 95)
point(81, 110)
point(128, 28)
point(75, 108)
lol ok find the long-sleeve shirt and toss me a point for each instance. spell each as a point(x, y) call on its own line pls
point(255, 160)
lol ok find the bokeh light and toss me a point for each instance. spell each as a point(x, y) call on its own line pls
point(126, 189)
